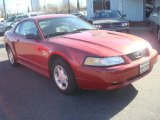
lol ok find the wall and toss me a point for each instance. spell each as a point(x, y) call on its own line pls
point(134, 9)
point(90, 12)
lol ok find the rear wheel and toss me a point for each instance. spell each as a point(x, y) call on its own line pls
point(11, 57)
point(63, 76)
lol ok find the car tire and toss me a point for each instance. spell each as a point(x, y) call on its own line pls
point(63, 77)
point(158, 34)
point(11, 57)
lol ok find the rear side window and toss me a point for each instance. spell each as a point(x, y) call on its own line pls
point(17, 29)
point(28, 28)
point(25, 28)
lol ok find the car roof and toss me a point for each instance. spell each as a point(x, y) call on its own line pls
point(40, 17)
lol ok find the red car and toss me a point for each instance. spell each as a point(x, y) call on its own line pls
point(77, 55)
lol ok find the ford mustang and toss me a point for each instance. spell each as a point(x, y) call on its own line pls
point(74, 54)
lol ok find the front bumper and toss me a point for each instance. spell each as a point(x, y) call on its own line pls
point(124, 29)
point(102, 78)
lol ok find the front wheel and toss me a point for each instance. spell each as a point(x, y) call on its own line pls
point(63, 77)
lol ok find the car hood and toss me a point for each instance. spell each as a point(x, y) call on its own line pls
point(102, 43)
point(6, 23)
point(102, 21)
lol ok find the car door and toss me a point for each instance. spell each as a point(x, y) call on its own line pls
point(29, 50)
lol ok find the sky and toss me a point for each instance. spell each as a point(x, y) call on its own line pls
point(12, 6)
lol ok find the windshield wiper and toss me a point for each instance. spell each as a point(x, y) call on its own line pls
point(82, 29)
point(56, 34)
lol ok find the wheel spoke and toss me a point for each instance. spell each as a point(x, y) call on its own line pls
point(10, 55)
point(61, 77)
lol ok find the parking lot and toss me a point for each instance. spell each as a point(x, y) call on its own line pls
point(27, 95)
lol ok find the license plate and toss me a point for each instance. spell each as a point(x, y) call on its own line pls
point(144, 67)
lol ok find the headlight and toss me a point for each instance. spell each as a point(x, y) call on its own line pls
point(109, 61)
point(125, 24)
point(97, 26)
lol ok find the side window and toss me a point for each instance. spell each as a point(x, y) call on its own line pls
point(32, 15)
point(28, 28)
point(19, 18)
point(25, 16)
point(17, 29)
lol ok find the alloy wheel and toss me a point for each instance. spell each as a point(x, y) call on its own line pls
point(61, 77)
point(10, 56)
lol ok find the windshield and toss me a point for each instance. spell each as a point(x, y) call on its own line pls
point(11, 19)
point(63, 25)
point(108, 14)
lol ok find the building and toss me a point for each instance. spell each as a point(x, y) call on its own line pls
point(135, 10)
point(35, 4)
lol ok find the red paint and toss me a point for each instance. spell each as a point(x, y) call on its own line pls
point(74, 48)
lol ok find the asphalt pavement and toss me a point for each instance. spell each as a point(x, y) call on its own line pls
point(27, 95)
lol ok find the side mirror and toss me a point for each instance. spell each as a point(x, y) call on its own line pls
point(9, 27)
point(31, 36)
point(124, 15)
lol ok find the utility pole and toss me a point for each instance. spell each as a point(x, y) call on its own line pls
point(69, 9)
point(4, 9)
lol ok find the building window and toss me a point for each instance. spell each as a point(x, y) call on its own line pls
point(101, 5)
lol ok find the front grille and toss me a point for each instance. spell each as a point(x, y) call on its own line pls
point(117, 25)
point(111, 25)
point(106, 25)
point(138, 54)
